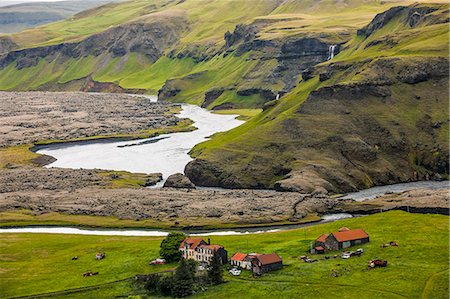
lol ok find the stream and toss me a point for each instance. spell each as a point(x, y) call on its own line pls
point(162, 233)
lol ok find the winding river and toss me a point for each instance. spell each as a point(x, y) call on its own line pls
point(167, 154)
point(162, 233)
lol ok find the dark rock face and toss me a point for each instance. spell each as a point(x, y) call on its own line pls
point(411, 15)
point(148, 39)
point(178, 180)
point(211, 96)
point(6, 45)
point(168, 90)
point(203, 173)
point(380, 20)
point(267, 94)
point(241, 33)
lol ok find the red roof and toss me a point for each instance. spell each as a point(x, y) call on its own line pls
point(192, 242)
point(214, 247)
point(322, 238)
point(267, 259)
point(238, 256)
point(319, 248)
point(350, 235)
point(343, 229)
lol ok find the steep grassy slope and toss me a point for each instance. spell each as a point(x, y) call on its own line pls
point(222, 54)
point(15, 18)
point(376, 114)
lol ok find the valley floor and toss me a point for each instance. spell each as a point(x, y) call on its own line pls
point(418, 268)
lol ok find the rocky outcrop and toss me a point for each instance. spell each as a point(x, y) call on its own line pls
point(168, 90)
point(6, 44)
point(410, 15)
point(153, 179)
point(242, 33)
point(178, 180)
point(266, 94)
point(212, 95)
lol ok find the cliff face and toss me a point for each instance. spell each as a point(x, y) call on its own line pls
point(280, 64)
point(372, 118)
point(148, 39)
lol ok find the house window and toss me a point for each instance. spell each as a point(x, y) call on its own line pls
point(357, 241)
point(346, 244)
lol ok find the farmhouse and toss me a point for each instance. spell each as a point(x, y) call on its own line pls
point(264, 263)
point(201, 251)
point(344, 238)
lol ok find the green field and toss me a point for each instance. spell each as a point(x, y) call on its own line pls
point(418, 268)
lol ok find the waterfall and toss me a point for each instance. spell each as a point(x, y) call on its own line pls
point(278, 97)
point(331, 51)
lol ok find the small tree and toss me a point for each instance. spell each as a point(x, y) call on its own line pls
point(169, 247)
point(183, 280)
point(165, 285)
point(215, 273)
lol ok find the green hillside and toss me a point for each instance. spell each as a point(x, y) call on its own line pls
point(375, 114)
point(17, 17)
point(198, 58)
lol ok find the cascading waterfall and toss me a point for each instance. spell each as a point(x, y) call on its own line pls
point(331, 51)
point(278, 97)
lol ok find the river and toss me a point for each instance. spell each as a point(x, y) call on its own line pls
point(161, 233)
point(374, 192)
point(167, 154)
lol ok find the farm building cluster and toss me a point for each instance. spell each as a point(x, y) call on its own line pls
point(203, 251)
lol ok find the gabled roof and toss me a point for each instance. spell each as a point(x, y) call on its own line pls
point(319, 248)
point(214, 247)
point(192, 242)
point(238, 256)
point(350, 235)
point(322, 238)
point(267, 259)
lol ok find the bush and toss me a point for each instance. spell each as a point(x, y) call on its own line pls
point(165, 285)
point(169, 249)
point(152, 282)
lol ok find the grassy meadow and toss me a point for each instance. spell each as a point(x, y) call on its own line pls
point(418, 268)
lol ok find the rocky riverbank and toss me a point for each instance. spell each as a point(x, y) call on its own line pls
point(89, 193)
point(28, 117)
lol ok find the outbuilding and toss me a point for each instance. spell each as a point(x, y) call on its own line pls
point(341, 239)
point(264, 263)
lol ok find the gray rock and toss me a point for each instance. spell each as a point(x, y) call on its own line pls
point(178, 180)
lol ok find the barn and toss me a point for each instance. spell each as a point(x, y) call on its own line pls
point(343, 238)
point(264, 263)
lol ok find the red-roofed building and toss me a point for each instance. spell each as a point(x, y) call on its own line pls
point(201, 251)
point(264, 263)
point(344, 238)
point(239, 260)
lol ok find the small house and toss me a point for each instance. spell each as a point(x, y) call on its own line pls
point(239, 260)
point(264, 263)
